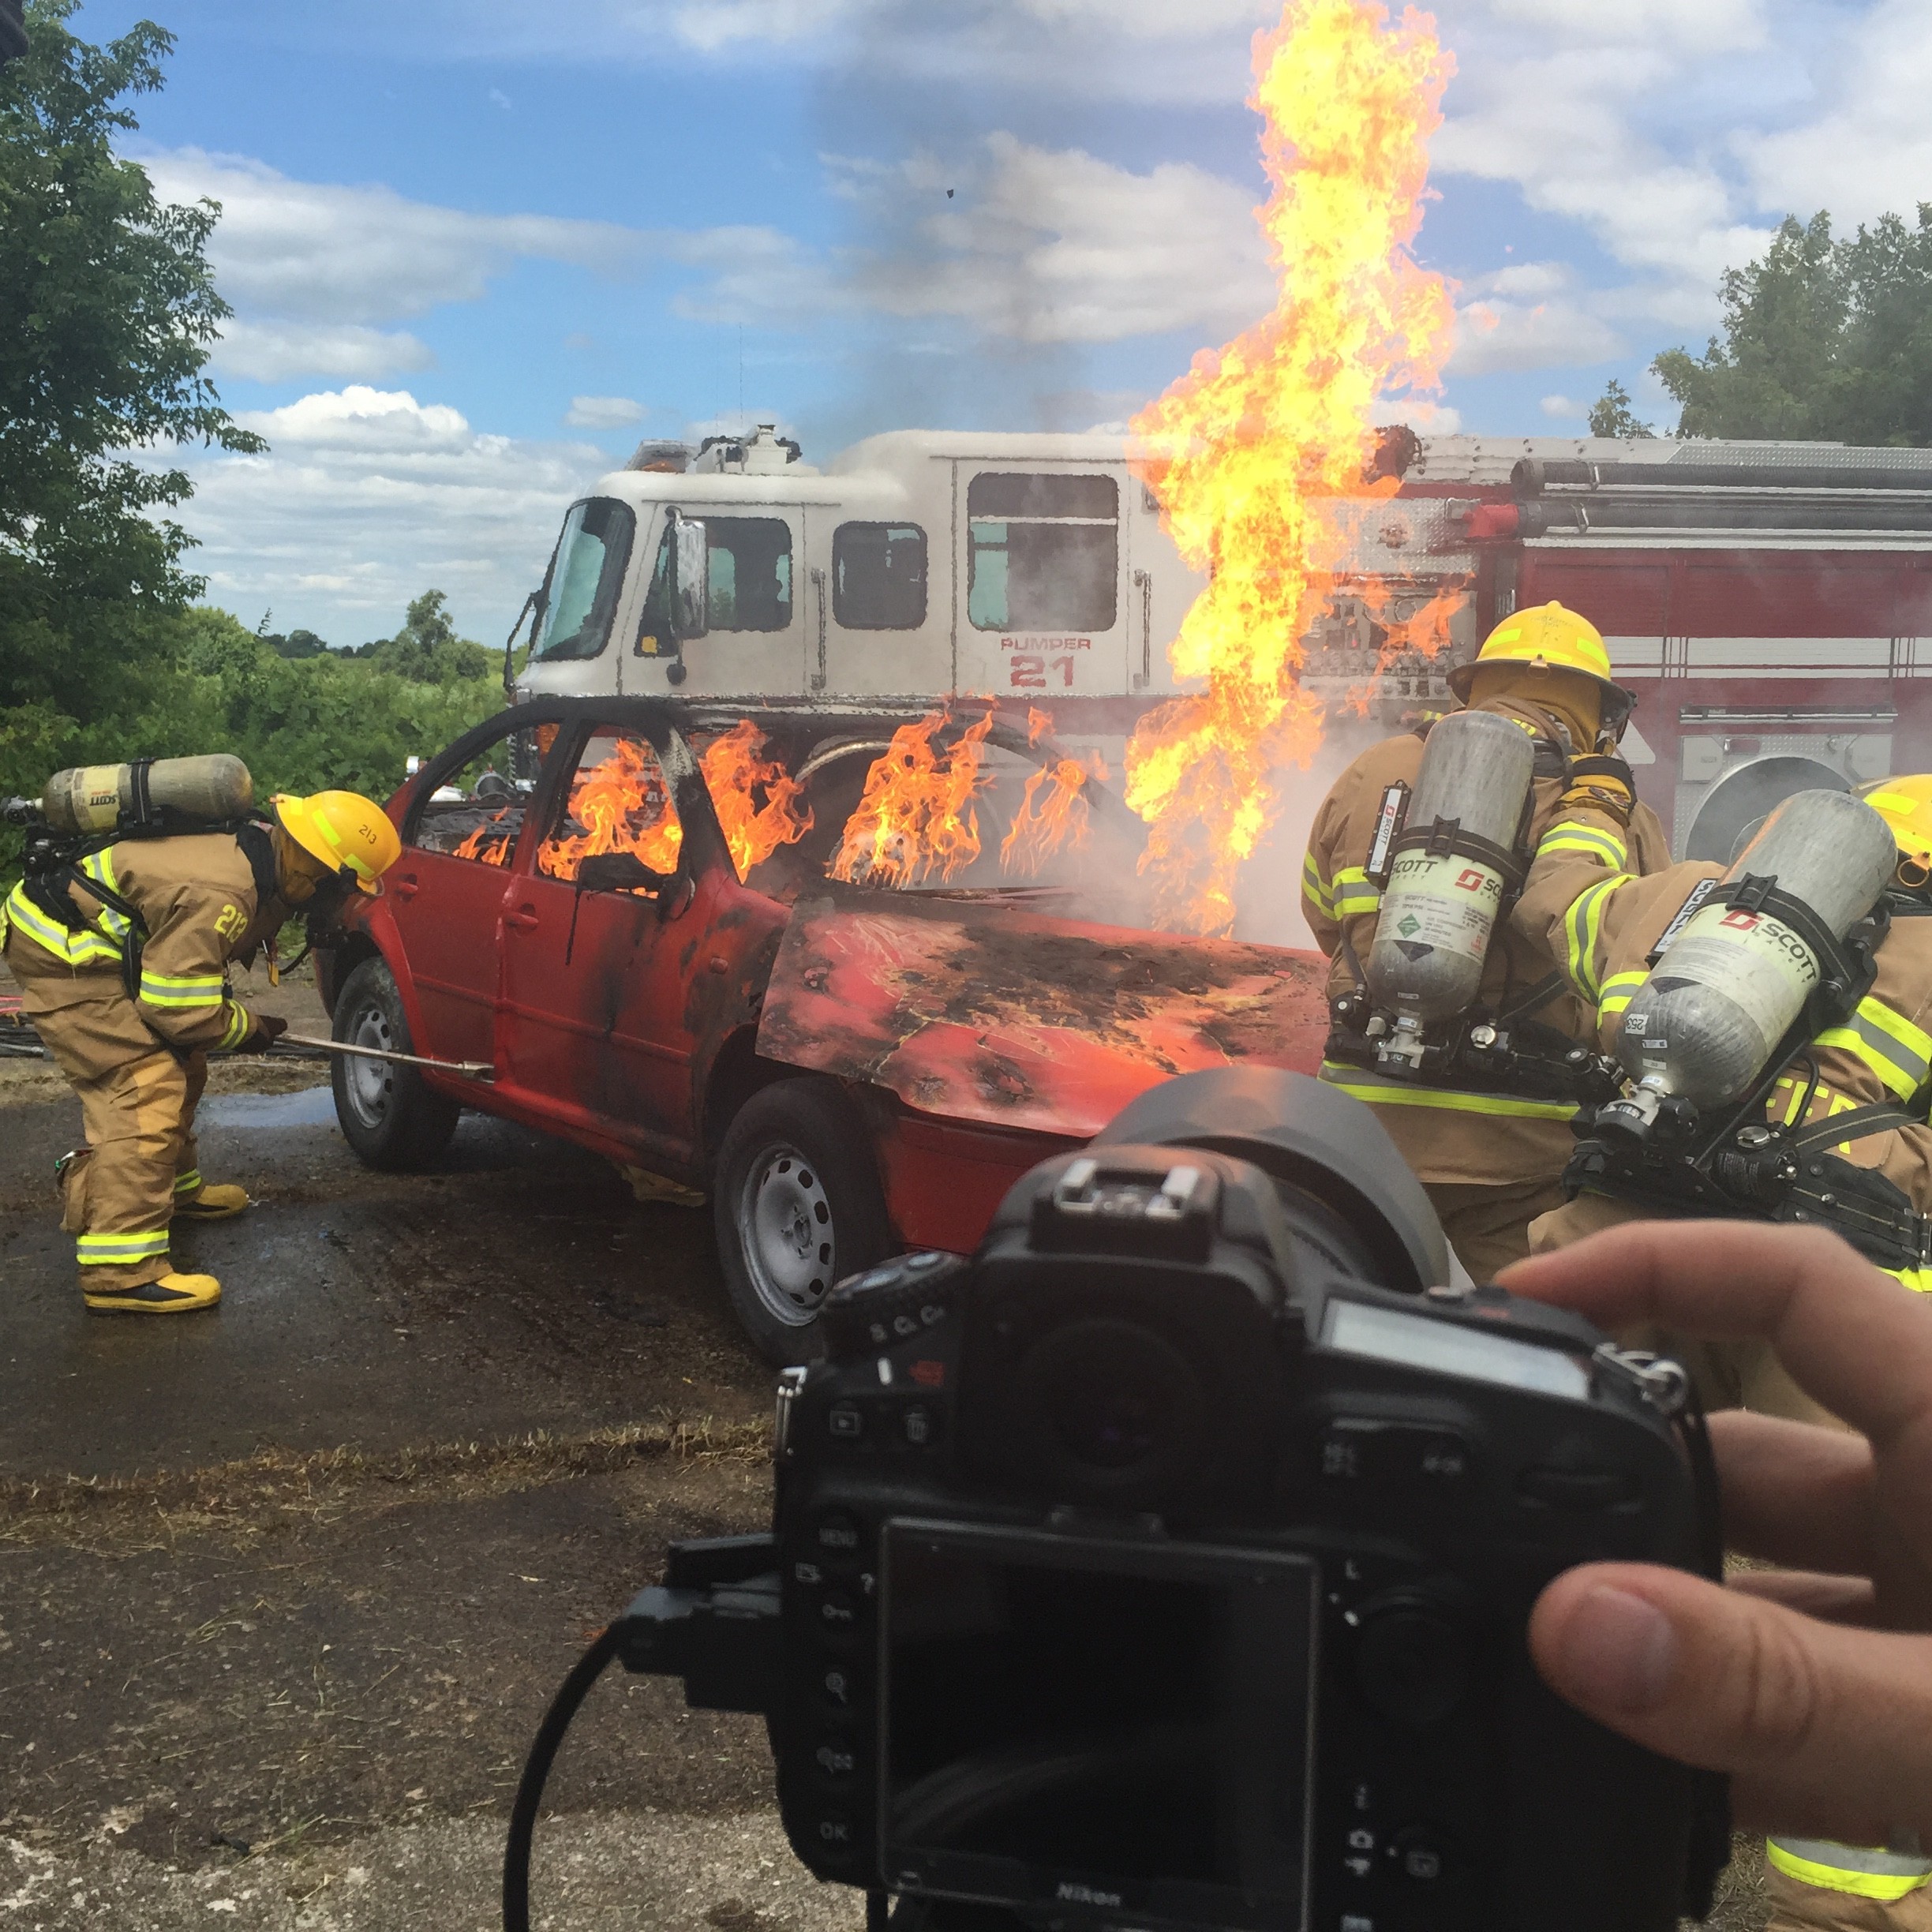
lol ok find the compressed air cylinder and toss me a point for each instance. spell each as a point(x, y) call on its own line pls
point(1728, 985)
point(104, 798)
point(1438, 909)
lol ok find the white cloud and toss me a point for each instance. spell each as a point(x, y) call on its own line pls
point(1869, 150)
point(268, 350)
point(589, 412)
point(1529, 316)
point(1564, 408)
point(320, 252)
point(365, 498)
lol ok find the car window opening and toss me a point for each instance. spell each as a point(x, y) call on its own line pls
point(620, 803)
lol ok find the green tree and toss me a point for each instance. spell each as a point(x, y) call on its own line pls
point(1823, 340)
point(107, 310)
point(1611, 414)
point(427, 649)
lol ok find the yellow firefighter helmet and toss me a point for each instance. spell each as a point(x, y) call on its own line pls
point(1905, 804)
point(1549, 638)
point(345, 830)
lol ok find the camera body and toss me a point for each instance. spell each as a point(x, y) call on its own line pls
point(1154, 1569)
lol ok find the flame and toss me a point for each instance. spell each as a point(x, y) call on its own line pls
point(1424, 633)
point(1248, 452)
point(1044, 824)
point(624, 806)
point(486, 843)
point(736, 771)
point(916, 816)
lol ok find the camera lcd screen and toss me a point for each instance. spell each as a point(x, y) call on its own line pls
point(1097, 1723)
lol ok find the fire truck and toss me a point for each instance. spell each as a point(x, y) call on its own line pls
point(1769, 602)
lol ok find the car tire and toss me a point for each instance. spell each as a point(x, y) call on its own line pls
point(798, 1205)
point(387, 1115)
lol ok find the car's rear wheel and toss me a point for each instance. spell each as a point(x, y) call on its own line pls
point(798, 1207)
point(386, 1113)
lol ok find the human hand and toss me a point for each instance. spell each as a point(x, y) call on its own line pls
point(268, 1029)
point(1812, 1685)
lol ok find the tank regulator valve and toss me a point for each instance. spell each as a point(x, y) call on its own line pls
point(1403, 1050)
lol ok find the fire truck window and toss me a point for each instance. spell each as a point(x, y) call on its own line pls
point(477, 811)
point(750, 579)
point(586, 575)
point(878, 576)
point(618, 803)
point(1043, 552)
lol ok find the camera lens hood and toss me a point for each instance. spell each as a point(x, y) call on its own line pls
point(1303, 1133)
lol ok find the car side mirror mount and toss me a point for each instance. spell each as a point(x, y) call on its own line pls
point(687, 588)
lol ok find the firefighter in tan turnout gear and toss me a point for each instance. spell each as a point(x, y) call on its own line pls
point(1454, 1027)
point(1758, 1090)
point(122, 966)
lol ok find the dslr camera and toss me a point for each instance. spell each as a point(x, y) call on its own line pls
point(1169, 1562)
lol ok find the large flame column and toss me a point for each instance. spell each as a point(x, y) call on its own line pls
point(1248, 452)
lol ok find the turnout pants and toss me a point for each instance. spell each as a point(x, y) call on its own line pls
point(1812, 1885)
point(137, 1098)
point(1489, 1227)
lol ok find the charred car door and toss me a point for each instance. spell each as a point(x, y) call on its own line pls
point(602, 933)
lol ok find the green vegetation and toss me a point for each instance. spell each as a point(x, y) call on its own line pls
point(1823, 340)
point(1611, 414)
point(107, 313)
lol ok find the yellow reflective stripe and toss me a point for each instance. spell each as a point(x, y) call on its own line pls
point(1918, 1280)
point(187, 1183)
point(1619, 990)
point(1582, 927)
point(1355, 892)
point(108, 1250)
point(1570, 836)
point(1312, 885)
point(175, 993)
point(100, 867)
point(1898, 1052)
point(238, 1028)
point(81, 948)
point(1379, 1090)
point(1872, 1874)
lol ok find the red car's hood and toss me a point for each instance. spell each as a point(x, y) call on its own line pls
point(990, 1013)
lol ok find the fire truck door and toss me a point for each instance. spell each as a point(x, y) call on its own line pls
point(590, 1021)
point(758, 599)
point(877, 608)
point(1048, 606)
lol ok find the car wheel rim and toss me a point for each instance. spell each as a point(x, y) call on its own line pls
point(785, 1224)
point(369, 1083)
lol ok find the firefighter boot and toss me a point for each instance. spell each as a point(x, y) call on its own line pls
point(196, 1199)
point(173, 1294)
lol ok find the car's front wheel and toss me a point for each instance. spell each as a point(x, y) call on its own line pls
point(798, 1207)
point(386, 1113)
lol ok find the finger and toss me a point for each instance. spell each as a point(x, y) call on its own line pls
point(1795, 1494)
point(1831, 1599)
point(1852, 1337)
point(1834, 1719)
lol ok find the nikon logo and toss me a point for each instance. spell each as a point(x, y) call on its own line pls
point(1084, 1895)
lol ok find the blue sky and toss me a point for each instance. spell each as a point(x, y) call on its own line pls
point(477, 247)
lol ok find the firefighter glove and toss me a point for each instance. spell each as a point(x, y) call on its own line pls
point(1601, 783)
point(268, 1029)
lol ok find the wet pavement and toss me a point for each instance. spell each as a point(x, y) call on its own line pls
point(285, 1587)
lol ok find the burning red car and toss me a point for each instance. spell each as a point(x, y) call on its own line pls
point(785, 960)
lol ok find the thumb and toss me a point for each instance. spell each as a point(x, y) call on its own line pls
point(1823, 1728)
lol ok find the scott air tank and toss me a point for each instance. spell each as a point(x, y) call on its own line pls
point(1727, 987)
point(1439, 907)
point(176, 793)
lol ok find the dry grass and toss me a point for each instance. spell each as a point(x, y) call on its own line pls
point(279, 1488)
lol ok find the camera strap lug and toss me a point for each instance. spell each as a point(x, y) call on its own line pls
point(791, 1386)
point(1663, 1383)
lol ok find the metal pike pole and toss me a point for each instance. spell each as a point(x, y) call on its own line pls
point(467, 1070)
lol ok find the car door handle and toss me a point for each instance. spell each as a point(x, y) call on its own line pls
point(523, 919)
point(407, 887)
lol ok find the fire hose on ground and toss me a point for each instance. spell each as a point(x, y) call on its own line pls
point(18, 1041)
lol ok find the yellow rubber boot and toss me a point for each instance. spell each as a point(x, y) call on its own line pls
point(212, 1200)
point(173, 1294)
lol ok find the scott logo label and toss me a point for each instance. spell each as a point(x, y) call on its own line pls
point(1469, 879)
point(1740, 921)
